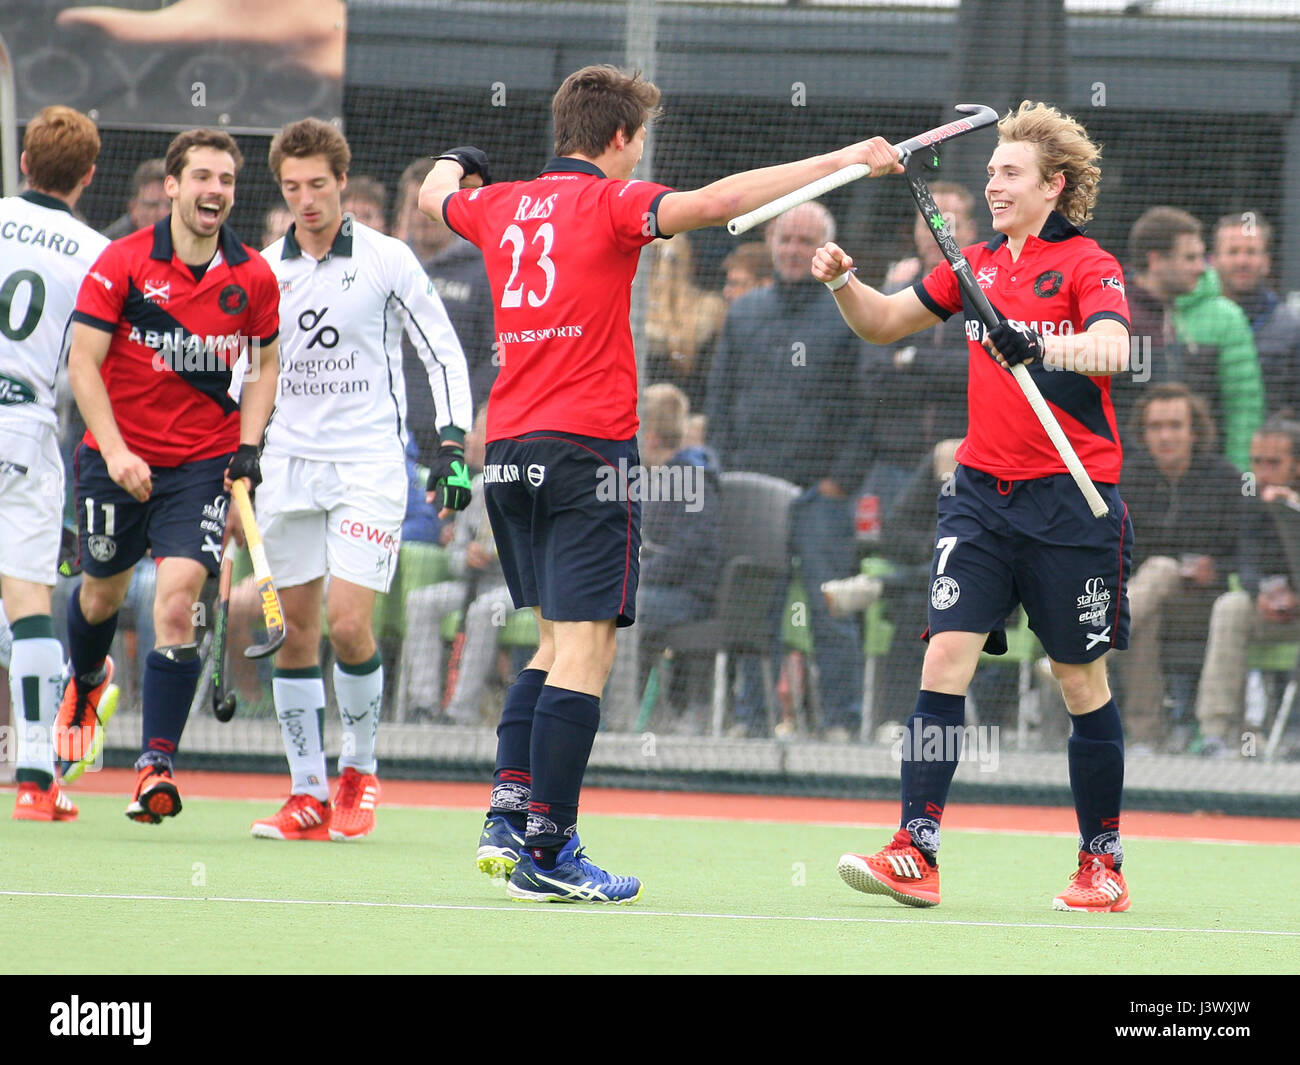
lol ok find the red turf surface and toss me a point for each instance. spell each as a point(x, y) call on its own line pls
point(273, 788)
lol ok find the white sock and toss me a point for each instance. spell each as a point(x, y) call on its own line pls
point(35, 687)
point(300, 706)
point(359, 690)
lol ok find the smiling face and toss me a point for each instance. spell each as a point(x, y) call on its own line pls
point(312, 193)
point(1019, 199)
point(205, 191)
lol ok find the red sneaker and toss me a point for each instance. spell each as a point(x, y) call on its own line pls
point(1096, 887)
point(78, 731)
point(354, 805)
point(155, 796)
point(301, 817)
point(899, 871)
point(35, 804)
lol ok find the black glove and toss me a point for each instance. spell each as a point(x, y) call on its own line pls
point(450, 476)
point(473, 160)
point(246, 463)
point(1017, 343)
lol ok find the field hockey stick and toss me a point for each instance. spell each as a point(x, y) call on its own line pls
point(942, 233)
point(980, 116)
point(267, 597)
point(458, 641)
point(223, 702)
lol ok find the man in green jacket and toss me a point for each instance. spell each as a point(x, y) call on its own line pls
point(1188, 331)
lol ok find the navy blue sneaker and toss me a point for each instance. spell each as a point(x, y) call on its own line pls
point(499, 848)
point(574, 879)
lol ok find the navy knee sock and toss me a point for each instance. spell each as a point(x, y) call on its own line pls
point(168, 691)
point(931, 750)
point(564, 728)
point(512, 780)
point(88, 645)
point(1096, 753)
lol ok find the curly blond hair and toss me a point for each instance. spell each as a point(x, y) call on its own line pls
point(1063, 148)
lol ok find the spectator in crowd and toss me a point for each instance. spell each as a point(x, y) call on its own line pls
point(748, 266)
point(148, 203)
point(1266, 609)
point(409, 225)
point(275, 224)
point(366, 200)
point(1242, 258)
point(681, 321)
point(479, 589)
point(917, 388)
point(785, 399)
point(455, 267)
point(681, 531)
point(1196, 336)
point(1185, 501)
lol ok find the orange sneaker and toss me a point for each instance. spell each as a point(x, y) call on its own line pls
point(50, 804)
point(899, 871)
point(1097, 887)
point(301, 817)
point(354, 805)
point(155, 797)
point(77, 733)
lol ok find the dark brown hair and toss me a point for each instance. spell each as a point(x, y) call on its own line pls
point(1158, 231)
point(596, 102)
point(1202, 421)
point(179, 149)
point(310, 136)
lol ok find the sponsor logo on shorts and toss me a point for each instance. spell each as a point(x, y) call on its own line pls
point(101, 547)
point(500, 473)
point(360, 530)
point(536, 474)
point(944, 593)
point(1094, 604)
point(216, 510)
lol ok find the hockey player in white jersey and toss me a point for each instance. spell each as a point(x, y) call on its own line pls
point(44, 254)
point(334, 489)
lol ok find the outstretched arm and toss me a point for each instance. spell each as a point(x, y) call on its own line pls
point(730, 196)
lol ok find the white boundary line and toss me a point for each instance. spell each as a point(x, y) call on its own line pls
point(1100, 926)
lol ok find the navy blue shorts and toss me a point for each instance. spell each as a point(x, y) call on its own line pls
point(568, 531)
point(1034, 543)
point(184, 516)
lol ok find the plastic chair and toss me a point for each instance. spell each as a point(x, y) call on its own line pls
point(755, 571)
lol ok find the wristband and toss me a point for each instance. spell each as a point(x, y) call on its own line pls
point(839, 282)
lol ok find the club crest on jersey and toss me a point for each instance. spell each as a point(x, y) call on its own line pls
point(233, 299)
point(944, 593)
point(986, 276)
point(157, 291)
point(348, 279)
point(1048, 283)
point(1115, 283)
point(102, 548)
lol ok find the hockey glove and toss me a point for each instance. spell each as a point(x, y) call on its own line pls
point(449, 475)
point(246, 463)
point(1016, 343)
point(472, 160)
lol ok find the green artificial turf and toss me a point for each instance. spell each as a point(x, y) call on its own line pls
point(719, 897)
